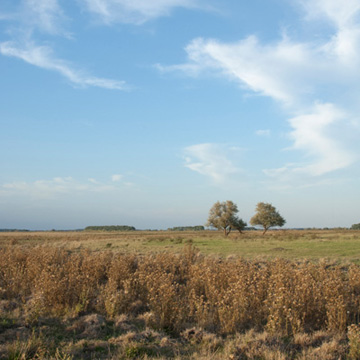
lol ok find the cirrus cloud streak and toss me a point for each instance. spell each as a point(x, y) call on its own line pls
point(42, 56)
point(135, 11)
point(46, 16)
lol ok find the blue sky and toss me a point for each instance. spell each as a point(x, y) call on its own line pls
point(145, 113)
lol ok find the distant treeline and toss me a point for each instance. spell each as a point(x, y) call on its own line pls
point(176, 228)
point(111, 228)
point(187, 228)
point(13, 230)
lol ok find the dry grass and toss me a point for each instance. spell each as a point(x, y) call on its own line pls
point(108, 305)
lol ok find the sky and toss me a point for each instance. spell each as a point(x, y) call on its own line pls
point(145, 113)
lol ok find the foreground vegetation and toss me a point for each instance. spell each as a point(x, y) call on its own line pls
point(66, 302)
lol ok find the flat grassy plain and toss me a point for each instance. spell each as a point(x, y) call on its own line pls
point(333, 245)
point(180, 295)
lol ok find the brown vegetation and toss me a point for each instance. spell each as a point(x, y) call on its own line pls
point(284, 308)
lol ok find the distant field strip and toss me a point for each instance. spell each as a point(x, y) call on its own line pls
point(333, 245)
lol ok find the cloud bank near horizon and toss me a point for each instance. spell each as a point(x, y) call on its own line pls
point(49, 189)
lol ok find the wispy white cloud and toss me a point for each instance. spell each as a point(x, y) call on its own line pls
point(134, 11)
point(344, 16)
point(300, 76)
point(211, 160)
point(340, 13)
point(266, 69)
point(117, 177)
point(45, 15)
point(48, 189)
point(263, 132)
point(48, 17)
point(286, 180)
point(310, 135)
point(42, 56)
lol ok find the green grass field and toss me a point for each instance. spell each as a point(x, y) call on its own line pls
point(334, 245)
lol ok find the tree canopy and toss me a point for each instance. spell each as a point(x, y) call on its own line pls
point(355, 227)
point(222, 216)
point(267, 216)
point(238, 224)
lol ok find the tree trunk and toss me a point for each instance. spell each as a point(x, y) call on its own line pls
point(265, 230)
point(227, 232)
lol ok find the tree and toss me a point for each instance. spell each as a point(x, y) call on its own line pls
point(267, 216)
point(222, 216)
point(238, 224)
point(355, 227)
